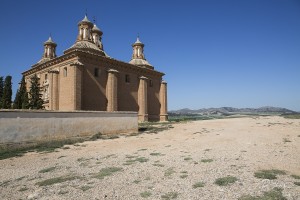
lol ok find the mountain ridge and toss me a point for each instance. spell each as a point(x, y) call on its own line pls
point(227, 110)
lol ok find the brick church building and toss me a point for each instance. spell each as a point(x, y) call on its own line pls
point(86, 78)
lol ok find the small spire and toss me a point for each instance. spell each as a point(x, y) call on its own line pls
point(49, 40)
point(138, 40)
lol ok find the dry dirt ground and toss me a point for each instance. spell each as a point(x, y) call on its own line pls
point(165, 165)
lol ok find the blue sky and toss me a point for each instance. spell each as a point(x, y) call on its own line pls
point(214, 52)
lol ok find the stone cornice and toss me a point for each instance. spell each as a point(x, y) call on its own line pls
point(93, 58)
point(38, 67)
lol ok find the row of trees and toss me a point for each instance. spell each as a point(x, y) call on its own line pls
point(23, 99)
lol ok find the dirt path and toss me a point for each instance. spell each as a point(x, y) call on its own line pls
point(164, 165)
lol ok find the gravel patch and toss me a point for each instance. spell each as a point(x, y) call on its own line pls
point(183, 162)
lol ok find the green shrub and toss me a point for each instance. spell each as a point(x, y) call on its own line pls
point(225, 180)
point(269, 174)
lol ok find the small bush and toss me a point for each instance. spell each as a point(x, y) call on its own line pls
point(297, 183)
point(103, 137)
point(47, 170)
point(183, 176)
point(85, 187)
point(269, 174)
point(155, 154)
point(207, 160)
point(23, 189)
point(170, 195)
point(286, 140)
point(295, 176)
point(139, 159)
point(158, 165)
point(145, 194)
point(108, 171)
point(169, 171)
point(60, 179)
point(274, 194)
point(198, 184)
point(225, 180)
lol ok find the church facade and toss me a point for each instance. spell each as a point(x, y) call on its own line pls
point(86, 78)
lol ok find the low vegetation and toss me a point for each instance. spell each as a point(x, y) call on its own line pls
point(103, 137)
point(269, 174)
point(108, 171)
point(295, 176)
point(207, 160)
point(169, 195)
point(225, 180)
point(155, 154)
point(50, 146)
point(145, 194)
point(85, 187)
point(198, 184)
point(41, 147)
point(138, 159)
point(291, 116)
point(169, 172)
point(154, 127)
point(187, 158)
point(49, 169)
point(285, 140)
point(275, 193)
point(23, 189)
point(60, 179)
point(297, 183)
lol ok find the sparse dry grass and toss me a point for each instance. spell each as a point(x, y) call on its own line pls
point(269, 174)
point(225, 180)
point(60, 179)
point(274, 194)
point(108, 171)
point(169, 195)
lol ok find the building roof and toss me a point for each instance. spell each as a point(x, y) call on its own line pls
point(43, 60)
point(96, 29)
point(86, 20)
point(138, 42)
point(86, 46)
point(141, 62)
point(50, 41)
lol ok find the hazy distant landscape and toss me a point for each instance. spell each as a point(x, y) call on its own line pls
point(225, 112)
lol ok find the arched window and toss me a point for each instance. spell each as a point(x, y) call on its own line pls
point(127, 78)
point(151, 83)
point(96, 72)
point(65, 72)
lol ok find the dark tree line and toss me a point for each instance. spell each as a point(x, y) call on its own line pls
point(24, 99)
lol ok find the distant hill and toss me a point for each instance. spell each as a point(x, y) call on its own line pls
point(231, 110)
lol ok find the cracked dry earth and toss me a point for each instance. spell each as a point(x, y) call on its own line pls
point(166, 165)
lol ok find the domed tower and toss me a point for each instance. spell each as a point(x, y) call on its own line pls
point(138, 57)
point(85, 30)
point(49, 51)
point(89, 38)
point(97, 36)
point(50, 48)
